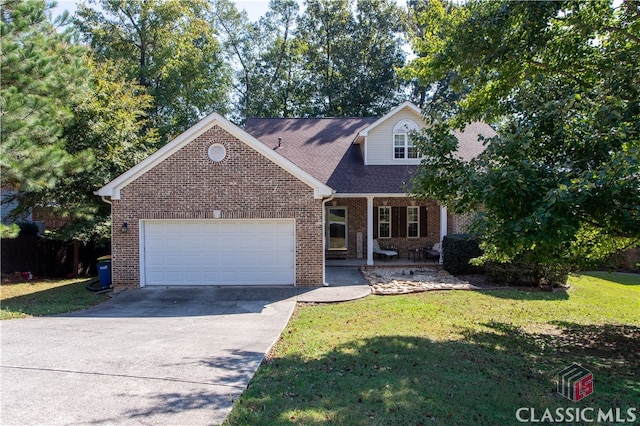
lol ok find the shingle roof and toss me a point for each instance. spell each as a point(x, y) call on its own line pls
point(317, 145)
point(323, 147)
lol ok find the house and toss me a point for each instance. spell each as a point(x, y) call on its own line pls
point(267, 204)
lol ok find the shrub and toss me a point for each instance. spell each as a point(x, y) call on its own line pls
point(521, 273)
point(457, 251)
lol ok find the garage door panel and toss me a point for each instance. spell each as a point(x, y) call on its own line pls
point(219, 252)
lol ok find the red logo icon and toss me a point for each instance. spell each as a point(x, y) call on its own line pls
point(575, 382)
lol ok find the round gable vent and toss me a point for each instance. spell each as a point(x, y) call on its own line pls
point(217, 152)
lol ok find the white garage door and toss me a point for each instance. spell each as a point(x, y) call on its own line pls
point(220, 252)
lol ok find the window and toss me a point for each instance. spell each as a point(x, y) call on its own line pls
point(384, 222)
point(403, 146)
point(399, 145)
point(413, 222)
point(337, 218)
point(412, 151)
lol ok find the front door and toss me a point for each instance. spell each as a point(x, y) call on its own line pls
point(337, 228)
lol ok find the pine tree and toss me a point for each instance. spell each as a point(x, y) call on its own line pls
point(42, 76)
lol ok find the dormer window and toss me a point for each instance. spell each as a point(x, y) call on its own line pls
point(403, 145)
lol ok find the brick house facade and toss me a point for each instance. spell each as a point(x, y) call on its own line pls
point(243, 186)
point(294, 190)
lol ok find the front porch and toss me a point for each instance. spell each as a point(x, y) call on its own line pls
point(399, 223)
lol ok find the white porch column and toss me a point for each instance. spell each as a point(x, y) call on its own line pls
point(443, 227)
point(369, 230)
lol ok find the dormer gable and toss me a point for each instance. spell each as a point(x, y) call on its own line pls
point(387, 141)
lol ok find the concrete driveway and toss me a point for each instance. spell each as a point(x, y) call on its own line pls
point(160, 356)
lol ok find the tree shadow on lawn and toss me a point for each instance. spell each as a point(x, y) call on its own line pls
point(527, 293)
point(481, 379)
point(623, 278)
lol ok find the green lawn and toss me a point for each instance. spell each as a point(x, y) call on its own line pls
point(46, 297)
point(450, 357)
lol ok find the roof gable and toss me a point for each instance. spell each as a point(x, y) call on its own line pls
point(112, 189)
point(405, 105)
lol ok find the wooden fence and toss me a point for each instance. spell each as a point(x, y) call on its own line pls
point(48, 258)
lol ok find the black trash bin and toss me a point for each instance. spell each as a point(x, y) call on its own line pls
point(104, 271)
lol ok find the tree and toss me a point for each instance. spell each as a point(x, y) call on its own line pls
point(280, 64)
point(351, 57)
point(170, 48)
point(559, 80)
point(430, 23)
point(110, 122)
point(240, 42)
point(324, 33)
point(333, 59)
point(42, 77)
point(379, 40)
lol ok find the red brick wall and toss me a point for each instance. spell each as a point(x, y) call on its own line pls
point(188, 185)
point(459, 224)
point(357, 222)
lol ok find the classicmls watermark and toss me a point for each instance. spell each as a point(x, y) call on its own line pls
point(575, 383)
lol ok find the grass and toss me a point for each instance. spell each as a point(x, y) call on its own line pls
point(46, 297)
point(463, 358)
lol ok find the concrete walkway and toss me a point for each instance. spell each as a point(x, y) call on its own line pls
point(345, 283)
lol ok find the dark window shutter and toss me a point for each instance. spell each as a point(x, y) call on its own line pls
point(424, 231)
point(399, 222)
point(394, 223)
point(375, 222)
point(402, 222)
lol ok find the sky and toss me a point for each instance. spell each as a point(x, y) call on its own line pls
point(255, 8)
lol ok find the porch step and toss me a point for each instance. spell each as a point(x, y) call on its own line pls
point(335, 254)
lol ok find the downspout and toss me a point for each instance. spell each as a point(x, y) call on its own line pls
point(324, 239)
point(104, 198)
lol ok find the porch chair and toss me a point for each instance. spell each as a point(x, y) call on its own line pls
point(433, 251)
point(385, 253)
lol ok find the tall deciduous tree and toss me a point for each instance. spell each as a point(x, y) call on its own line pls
point(170, 48)
point(430, 24)
point(240, 41)
point(268, 65)
point(109, 121)
point(561, 181)
point(325, 36)
point(43, 75)
point(351, 56)
point(379, 39)
point(336, 58)
point(280, 65)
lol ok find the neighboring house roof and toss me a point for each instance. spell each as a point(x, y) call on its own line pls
point(112, 189)
point(468, 144)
